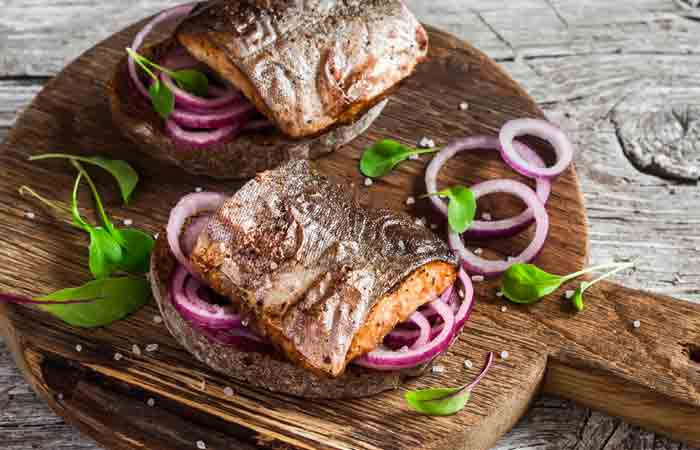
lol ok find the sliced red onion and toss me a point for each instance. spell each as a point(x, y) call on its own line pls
point(563, 147)
point(483, 228)
point(168, 14)
point(200, 139)
point(465, 308)
point(189, 238)
point(233, 115)
point(235, 336)
point(424, 327)
point(383, 358)
point(191, 101)
point(186, 299)
point(476, 264)
point(482, 373)
point(189, 206)
point(179, 59)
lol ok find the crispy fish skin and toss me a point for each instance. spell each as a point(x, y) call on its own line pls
point(324, 279)
point(307, 64)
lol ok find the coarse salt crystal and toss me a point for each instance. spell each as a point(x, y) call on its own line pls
point(151, 347)
point(504, 308)
point(30, 215)
point(157, 319)
point(478, 251)
point(155, 236)
point(636, 324)
point(151, 402)
point(569, 294)
point(420, 222)
point(499, 294)
point(136, 350)
point(414, 157)
point(426, 142)
point(118, 356)
point(461, 293)
point(438, 369)
point(368, 182)
point(504, 354)
point(245, 322)
point(468, 364)
point(410, 200)
point(477, 278)
point(228, 392)
point(201, 445)
point(78, 348)
point(464, 106)
point(128, 222)
point(60, 396)
point(486, 216)
point(198, 189)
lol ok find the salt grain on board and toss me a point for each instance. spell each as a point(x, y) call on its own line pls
point(464, 106)
point(477, 278)
point(438, 369)
point(136, 350)
point(157, 319)
point(228, 392)
point(151, 402)
point(504, 354)
point(128, 222)
point(78, 348)
point(118, 356)
point(368, 182)
point(478, 251)
point(426, 142)
point(201, 445)
point(151, 347)
point(30, 215)
point(468, 364)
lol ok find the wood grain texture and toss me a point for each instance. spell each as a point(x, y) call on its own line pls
point(579, 94)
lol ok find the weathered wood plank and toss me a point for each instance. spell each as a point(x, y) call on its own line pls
point(39, 39)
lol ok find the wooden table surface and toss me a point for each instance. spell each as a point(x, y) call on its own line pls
point(622, 77)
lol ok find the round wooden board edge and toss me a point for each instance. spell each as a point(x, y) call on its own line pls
point(507, 421)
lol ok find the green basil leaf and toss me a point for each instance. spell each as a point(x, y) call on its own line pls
point(526, 283)
point(114, 299)
point(461, 209)
point(137, 251)
point(438, 401)
point(126, 176)
point(105, 253)
point(162, 99)
point(379, 159)
point(193, 81)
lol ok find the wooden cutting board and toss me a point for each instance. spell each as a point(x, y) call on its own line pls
point(649, 375)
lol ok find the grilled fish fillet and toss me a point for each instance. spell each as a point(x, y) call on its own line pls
point(322, 278)
point(307, 64)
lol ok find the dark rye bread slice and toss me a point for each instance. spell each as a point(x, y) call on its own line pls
point(268, 371)
point(243, 157)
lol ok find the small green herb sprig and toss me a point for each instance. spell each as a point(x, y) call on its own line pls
point(445, 401)
point(381, 158)
point(162, 98)
point(111, 250)
point(527, 283)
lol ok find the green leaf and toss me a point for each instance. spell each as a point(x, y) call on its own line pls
point(577, 299)
point(137, 251)
point(105, 253)
point(126, 176)
point(438, 401)
point(75, 212)
point(162, 99)
point(114, 299)
point(526, 283)
point(193, 81)
point(381, 158)
point(461, 209)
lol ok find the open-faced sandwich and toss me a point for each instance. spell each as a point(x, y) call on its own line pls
point(291, 286)
point(245, 85)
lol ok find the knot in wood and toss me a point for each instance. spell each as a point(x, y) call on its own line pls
point(663, 140)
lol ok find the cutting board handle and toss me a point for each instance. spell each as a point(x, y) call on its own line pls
point(647, 371)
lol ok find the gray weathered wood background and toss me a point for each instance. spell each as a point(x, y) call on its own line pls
point(620, 76)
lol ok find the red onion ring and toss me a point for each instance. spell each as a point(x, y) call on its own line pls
point(424, 327)
point(189, 238)
point(191, 101)
point(230, 116)
point(544, 130)
point(465, 309)
point(189, 206)
point(483, 228)
point(200, 139)
point(386, 359)
point(172, 13)
point(184, 293)
point(476, 264)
